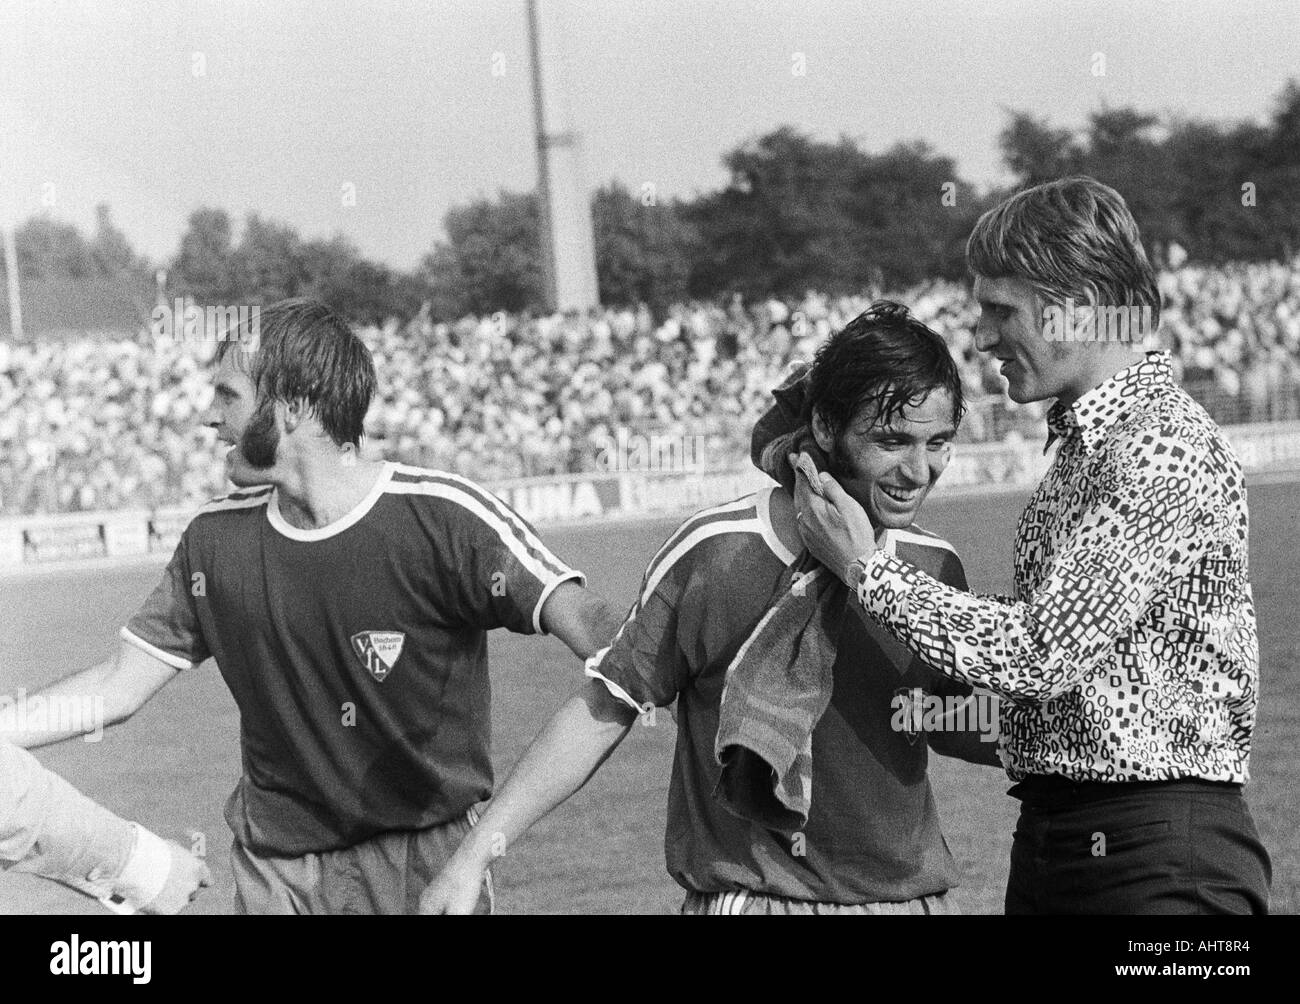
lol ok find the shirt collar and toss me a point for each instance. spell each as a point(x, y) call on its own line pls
point(1092, 414)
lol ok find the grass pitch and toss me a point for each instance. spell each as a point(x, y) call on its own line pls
point(174, 764)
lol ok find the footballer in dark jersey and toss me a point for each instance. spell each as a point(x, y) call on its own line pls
point(882, 401)
point(346, 603)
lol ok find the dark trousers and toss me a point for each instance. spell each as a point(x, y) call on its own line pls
point(1170, 847)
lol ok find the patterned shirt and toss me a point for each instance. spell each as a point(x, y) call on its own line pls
point(1129, 650)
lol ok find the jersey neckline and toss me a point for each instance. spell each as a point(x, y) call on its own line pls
point(768, 529)
point(286, 529)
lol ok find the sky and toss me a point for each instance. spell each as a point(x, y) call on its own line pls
point(371, 118)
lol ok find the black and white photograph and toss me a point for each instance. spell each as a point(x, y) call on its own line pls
point(697, 457)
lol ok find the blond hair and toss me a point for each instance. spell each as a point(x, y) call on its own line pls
point(1069, 239)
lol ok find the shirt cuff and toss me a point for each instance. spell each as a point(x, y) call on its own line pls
point(175, 661)
point(49, 828)
point(591, 669)
point(568, 576)
point(146, 870)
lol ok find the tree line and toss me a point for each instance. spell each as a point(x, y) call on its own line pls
point(796, 213)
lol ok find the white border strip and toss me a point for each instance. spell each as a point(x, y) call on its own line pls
point(546, 595)
point(339, 525)
point(764, 501)
point(618, 692)
point(175, 661)
point(504, 531)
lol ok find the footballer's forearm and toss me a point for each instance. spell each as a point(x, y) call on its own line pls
point(46, 716)
point(565, 754)
point(973, 747)
point(970, 731)
point(580, 618)
point(85, 702)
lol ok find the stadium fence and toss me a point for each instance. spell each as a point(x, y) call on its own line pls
point(31, 542)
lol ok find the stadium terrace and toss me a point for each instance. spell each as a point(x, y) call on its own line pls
point(89, 425)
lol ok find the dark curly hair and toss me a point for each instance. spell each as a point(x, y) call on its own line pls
point(885, 359)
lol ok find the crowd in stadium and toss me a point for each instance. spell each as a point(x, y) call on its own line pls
point(109, 424)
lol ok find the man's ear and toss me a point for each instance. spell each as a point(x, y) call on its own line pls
point(822, 433)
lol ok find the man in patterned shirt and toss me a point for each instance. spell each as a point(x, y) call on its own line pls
point(1128, 657)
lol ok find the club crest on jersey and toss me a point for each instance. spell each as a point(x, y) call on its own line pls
point(908, 718)
point(378, 651)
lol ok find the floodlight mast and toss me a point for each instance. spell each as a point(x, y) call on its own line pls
point(11, 277)
point(546, 235)
point(568, 245)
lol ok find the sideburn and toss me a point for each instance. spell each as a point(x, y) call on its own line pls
point(838, 465)
point(841, 469)
point(261, 439)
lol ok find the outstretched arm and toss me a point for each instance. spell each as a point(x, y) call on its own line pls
point(85, 702)
point(49, 828)
point(642, 657)
point(969, 731)
point(579, 618)
point(1123, 549)
point(565, 754)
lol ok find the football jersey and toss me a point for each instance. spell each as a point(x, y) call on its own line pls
point(873, 832)
point(357, 651)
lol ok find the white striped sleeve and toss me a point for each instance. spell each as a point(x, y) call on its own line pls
point(503, 572)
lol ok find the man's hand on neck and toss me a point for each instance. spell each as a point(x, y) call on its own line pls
point(782, 512)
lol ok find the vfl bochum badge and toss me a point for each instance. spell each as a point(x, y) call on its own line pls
point(378, 651)
point(908, 718)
